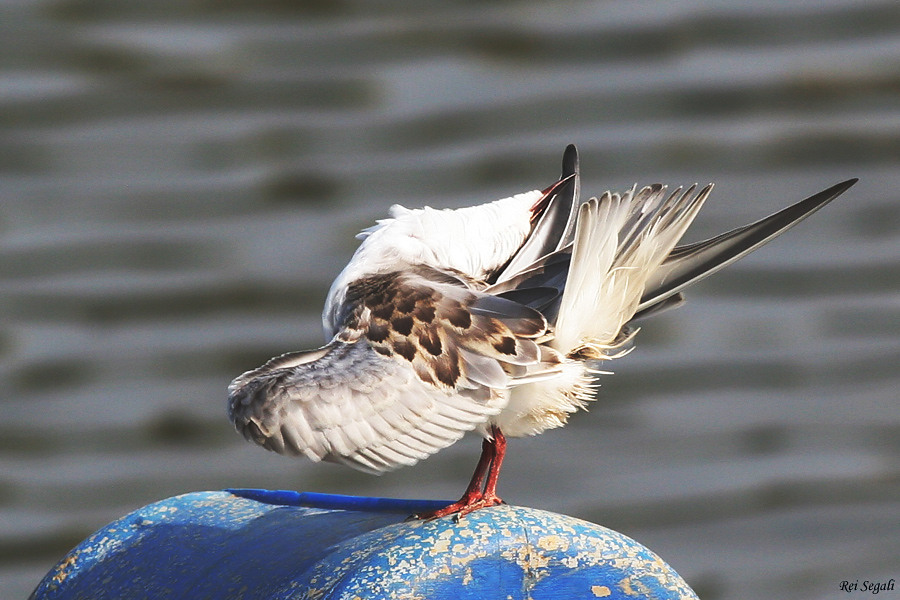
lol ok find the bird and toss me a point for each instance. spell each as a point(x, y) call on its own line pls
point(497, 318)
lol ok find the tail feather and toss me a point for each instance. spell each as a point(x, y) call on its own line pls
point(619, 242)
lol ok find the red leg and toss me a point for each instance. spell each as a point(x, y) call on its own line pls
point(492, 452)
point(485, 461)
point(490, 490)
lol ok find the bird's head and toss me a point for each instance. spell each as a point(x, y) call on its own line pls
point(473, 241)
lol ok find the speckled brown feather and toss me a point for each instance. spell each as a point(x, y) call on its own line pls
point(431, 320)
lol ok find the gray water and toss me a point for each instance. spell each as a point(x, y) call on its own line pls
point(179, 183)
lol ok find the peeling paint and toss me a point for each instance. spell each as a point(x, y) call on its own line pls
point(66, 566)
point(296, 552)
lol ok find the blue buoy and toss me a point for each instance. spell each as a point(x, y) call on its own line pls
point(267, 545)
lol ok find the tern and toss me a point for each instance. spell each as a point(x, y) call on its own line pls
point(495, 318)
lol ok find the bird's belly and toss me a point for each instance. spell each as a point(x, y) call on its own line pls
point(535, 407)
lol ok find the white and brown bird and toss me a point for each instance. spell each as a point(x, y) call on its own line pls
point(494, 318)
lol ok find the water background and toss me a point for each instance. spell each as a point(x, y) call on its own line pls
point(179, 183)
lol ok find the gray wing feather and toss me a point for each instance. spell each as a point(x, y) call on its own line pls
point(557, 211)
point(691, 263)
point(684, 266)
point(325, 409)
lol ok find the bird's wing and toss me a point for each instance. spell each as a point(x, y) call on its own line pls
point(691, 263)
point(685, 265)
point(419, 361)
point(555, 214)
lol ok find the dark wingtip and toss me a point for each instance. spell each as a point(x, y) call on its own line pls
point(804, 208)
point(839, 188)
point(691, 263)
point(570, 161)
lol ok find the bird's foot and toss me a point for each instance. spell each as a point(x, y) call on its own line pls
point(478, 494)
point(463, 506)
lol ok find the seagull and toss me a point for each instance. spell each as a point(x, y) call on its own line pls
point(494, 318)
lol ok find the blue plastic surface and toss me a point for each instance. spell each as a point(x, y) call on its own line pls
point(221, 545)
point(339, 502)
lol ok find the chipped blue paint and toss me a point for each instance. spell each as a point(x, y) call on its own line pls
point(257, 544)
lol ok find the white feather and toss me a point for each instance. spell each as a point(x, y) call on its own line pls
point(611, 262)
point(473, 240)
point(445, 321)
